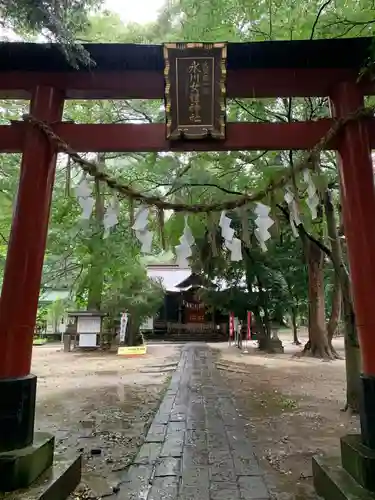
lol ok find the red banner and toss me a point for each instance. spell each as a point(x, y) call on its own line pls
point(231, 325)
point(248, 325)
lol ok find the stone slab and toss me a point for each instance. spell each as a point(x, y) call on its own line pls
point(148, 453)
point(358, 460)
point(156, 433)
point(197, 477)
point(331, 481)
point(136, 483)
point(224, 490)
point(20, 468)
point(247, 466)
point(194, 493)
point(253, 488)
point(164, 488)
point(55, 484)
point(222, 472)
point(168, 466)
point(173, 446)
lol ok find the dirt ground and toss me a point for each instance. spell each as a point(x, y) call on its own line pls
point(99, 404)
point(293, 407)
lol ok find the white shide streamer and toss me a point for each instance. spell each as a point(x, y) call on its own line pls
point(183, 250)
point(293, 211)
point(312, 195)
point(232, 243)
point(263, 223)
point(84, 196)
point(110, 219)
point(143, 235)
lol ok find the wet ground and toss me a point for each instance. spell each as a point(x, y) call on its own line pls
point(196, 447)
point(293, 407)
point(100, 404)
point(223, 412)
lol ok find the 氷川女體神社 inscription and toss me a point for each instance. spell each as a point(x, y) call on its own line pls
point(195, 78)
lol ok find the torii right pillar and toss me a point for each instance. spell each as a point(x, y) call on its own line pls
point(355, 476)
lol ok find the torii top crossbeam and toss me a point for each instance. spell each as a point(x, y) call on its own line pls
point(300, 68)
point(126, 71)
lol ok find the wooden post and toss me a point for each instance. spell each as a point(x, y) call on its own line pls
point(358, 204)
point(22, 275)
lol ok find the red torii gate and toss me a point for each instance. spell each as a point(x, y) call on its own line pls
point(255, 70)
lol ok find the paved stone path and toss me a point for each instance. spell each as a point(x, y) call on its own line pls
point(196, 448)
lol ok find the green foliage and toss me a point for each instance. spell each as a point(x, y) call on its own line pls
point(58, 20)
point(134, 293)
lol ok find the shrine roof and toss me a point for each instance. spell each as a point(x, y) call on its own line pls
point(327, 53)
point(169, 275)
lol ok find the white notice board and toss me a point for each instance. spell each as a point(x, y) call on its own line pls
point(88, 324)
point(148, 324)
point(87, 340)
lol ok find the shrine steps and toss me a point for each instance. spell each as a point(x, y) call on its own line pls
point(188, 337)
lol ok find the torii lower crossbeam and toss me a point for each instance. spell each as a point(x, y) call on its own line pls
point(148, 137)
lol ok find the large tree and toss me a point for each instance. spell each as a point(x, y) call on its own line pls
point(57, 20)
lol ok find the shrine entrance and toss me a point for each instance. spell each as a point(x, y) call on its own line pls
point(194, 80)
point(183, 315)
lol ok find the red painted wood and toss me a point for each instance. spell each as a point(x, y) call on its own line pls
point(358, 202)
point(151, 137)
point(22, 275)
point(11, 138)
point(282, 82)
point(86, 85)
point(277, 82)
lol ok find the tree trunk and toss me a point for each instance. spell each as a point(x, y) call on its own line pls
point(336, 257)
point(352, 351)
point(335, 312)
point(96, 271)
point(261, 330)
point(265, 337)
point(318, 343)
point(293, 312)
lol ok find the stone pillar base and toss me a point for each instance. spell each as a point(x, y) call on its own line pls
point(351, 477)
point(19, 468)
point(17, 412)
point(27, 465)
point(55, 484)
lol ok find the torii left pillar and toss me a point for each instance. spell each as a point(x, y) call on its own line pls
point(23, 456)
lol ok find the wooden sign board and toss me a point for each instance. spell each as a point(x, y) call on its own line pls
point(195, 78)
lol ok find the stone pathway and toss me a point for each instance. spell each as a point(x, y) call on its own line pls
point(196, 448)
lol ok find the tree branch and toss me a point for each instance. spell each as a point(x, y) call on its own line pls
point(301, 228)
point(206, 184)
point(3, 238)
point(320, 11)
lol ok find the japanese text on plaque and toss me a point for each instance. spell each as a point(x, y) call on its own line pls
point(199, 81)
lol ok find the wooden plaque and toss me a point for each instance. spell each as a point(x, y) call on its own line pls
point(195, 78)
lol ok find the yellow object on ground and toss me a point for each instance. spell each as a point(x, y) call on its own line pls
point(138, 350)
